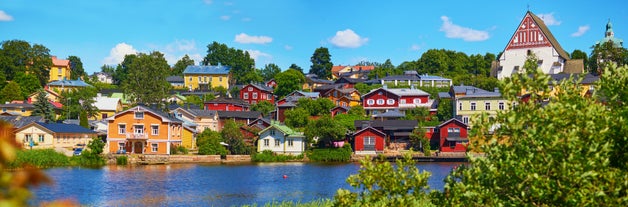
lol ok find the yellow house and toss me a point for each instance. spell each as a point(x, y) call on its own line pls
point(188, 139)
point(60, 69)
point(344, 96)
point(198, 77)
point(17, 109)
point(50, 95)
point(107, 106)
point(587, 85)
point(470, 101)
point(312, 82)
point(53, 135)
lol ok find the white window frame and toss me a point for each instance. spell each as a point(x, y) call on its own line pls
point(465, 119)
point(370, 140)
point(136, 129)
point(459, 106)
point(473, 106)
point(290, 142)
point(269, 96)
point(28, 138)
point(138, 115)
point(250, 88)
point(417, 100)
point(121, 128)
point(254, 95)
point(487, 106)
point(40, 138)
point(390, 101)
point(121, 145)
point(266, 142)
point(245, 95)
point(272, 132)
point(402, 101)
point(370, 102)
point(154, 147)
point(277, 143)
point(154, 129)
point(501, 106)
point(380, 101)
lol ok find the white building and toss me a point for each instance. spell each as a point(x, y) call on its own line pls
point(281, 139)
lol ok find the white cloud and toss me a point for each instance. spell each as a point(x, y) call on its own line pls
point(246, 39)
point(116, 55)
point(549, 19)
point(4, 17)
point(581, 31)
point(207, 1)
point(246, 19)
point(415, 47)
point(456, 31)
point(225, 17)
point(260, 57)
point(288, 47)
point(348, 39)
point(182, 45)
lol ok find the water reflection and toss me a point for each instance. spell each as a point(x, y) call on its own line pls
point(206, 185)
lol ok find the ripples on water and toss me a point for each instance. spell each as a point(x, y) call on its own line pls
point(206, 185)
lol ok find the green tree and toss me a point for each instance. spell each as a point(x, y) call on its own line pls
point(605, 54)
point(107, 69)
point(233, 136)
point(357, 111)
point(289, 81)
point(146, 80)
point(3, 80)
point(296, 118)
point(208, 143)
point(613, 92)
point(321, 63)
point(364, 88)
point(122, 70)
point(181, 64)
point(419, 141)
point(296, 67)
point(11, 92)
point(76, 68)
point(83, 119)
point(240, 61)
point(42, 107)
point(537, 157)
point(326, 129)
point(18, 56)
point(28, 83)
point(316, 107)
point(270, 71)
point(445, 109)
point(77, 101)
point(263, 106)
point(384, 184)
point(579, 54)
point(383, 70)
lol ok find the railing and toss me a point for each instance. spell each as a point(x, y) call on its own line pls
point(137, 136)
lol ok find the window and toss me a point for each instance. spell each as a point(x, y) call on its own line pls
point(120, 146)
point(269, 96)
point(28, 138)
point(199, 79)
point(154, 147)
point(60, 70)
point(380, 101)
point(370, 102)
point(344, 104)
point(465, 120)
point(154, 129)
point(276, 143)
point(121, 129)
point(390, 101)
point(245, 96)
point(190, 79)
point(473, 106)
point(41, 138)
point(290, 142)
point(4, 109)
point(139, 115)
point(23, 110)
point(402, 101)
point(138, 129)
point(250, 88)
point(205, 79)
point(487, 106)
point(591, 87)
point(254, 95)
point(369, 140)
point(501, 105)
point(453, 132)
point(272, 132)
point(460, 106)
point(220, 79)
point(266, 142)
point(210, 79)
point(104, 116)
point(417, 101)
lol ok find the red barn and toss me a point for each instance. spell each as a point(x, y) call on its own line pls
point(253, 93)
point(453, 136)
point(369, 141)
point(226, 104)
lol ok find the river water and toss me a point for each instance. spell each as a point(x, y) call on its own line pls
point(206, 185)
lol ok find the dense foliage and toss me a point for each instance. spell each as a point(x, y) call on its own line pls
point(242, 65)
point(288, 81)
point(42, 107)
point(342, 154)
point(321, 63)
point(270, 156)
point(145, 81)
point(208, 143)
point(263, 106)
point(234, 138)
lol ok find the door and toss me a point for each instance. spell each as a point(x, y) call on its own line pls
point(138, 148)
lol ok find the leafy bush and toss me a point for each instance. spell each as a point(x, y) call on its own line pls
point(40, 158)
point(122, 160)
point(175, 150)
point(270, 156)
point(331, 154)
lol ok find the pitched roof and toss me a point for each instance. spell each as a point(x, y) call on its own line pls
point(203, 113)
point(390, 114)
point(349, 80)
point(18, 105)
point(259, 86)
point(574, 66)
point(65, 128)
point(400, 91)
point(587, 79)
point(287, 131)
point(60, 62)
point(239, 114)
point(20, 121)
point(205, 69)
point(165, 117)
point(549, 35)
point(346, 108)
point(235, 101)
point(452, 120)
point(106, 103)
point(387, 124)
point(175, 79)
point(369, 128)
point(74, 83)
point(471, 91)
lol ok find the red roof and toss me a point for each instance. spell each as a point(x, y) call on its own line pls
point(337, 68)
point(60, 62)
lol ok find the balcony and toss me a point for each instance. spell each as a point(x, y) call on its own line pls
point(141, 136)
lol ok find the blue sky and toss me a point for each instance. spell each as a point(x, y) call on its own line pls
point(288, 31)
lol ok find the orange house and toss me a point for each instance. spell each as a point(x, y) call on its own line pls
point(142, 130)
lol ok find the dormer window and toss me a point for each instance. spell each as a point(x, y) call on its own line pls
point(250, 88)
point(139, 115)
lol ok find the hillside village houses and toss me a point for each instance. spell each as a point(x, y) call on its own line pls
point(197, 77)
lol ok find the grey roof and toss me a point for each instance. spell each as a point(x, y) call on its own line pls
point(170, 116)
point(474, 92)
point(65, 128)
point(349, 80)
point(20, 121)
point(175, 79)
point(362, 72)
point(444, 95)
point(17, 105)
point(317, 80)
point(236, 101)
point(75, 83)
point(390, 114)
point(261, 87)
point(325, 88)
point(401, 78)
point(203, 113)
point(197, 69)
point(588, 78)
point(387, 124)
point(239, 114)
point(432, 77)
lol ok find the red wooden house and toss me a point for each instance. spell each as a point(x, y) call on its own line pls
point(271, 83)
point(453, 136)
point(226, 104)
point(384, 99)
point(369, 141)
point(254, 93)
point(339, 110)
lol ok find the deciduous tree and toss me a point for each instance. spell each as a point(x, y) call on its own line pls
point(263, 106)
point(181, 64)
point(270, 71)
point(233, 136)
point(146, 81)
point(11, 92)
point(208, 143)
point(76, 68)
point(289, 81)
point(240, 61)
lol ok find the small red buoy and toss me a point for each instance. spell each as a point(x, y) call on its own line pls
point(285, 176)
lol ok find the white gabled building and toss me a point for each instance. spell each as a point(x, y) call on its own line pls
point(533, 37)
